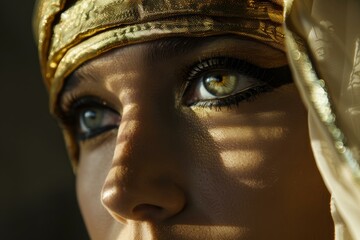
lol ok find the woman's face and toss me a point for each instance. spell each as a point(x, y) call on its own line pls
point(194, 138)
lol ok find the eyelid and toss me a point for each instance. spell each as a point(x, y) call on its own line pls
point(246, 95)
point(71, 101)
point(71, 104)
point(258, 55)
point(264, 80)
point(89, 101)
point(83, 136)
point(76, 88)
point(221, 63)
point(72, 119)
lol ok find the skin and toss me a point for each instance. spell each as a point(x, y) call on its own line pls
point(172, 171)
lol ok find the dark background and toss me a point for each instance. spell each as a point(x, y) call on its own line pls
point(37, 185)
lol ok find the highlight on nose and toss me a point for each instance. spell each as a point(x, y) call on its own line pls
point(142, 201)
point(140, 185)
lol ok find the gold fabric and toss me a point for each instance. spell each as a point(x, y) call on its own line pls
point(70, 32)
point(326, 69)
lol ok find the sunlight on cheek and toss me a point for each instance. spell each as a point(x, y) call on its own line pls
point(243, 149)
point(241, 133)
point(242, 161)
point(246, 167)
point(249, 152)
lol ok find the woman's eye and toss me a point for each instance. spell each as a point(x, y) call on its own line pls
point(93, 121)
point(220, 84)
point(219, 81)
point(89, 117)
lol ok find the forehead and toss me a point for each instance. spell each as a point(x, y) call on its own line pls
point(162, 50)
point(150, 60)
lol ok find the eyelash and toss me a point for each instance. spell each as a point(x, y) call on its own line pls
point(70, 115)
point(234, 100)
point(74, 106)
point(266, 76)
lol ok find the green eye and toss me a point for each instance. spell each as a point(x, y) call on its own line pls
point(226, 81)
point(95, 120)
point(91, 118)
point(221, 83)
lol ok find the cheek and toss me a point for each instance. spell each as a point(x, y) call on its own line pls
point(249, 153)
point(264, 148)
point(265, 160)
point(90, 177)
point(257, 139)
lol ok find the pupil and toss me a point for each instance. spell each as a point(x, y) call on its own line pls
point(221, 84)
point(214, 79)
point(218, 78)
point(92, 118)
point(90, 114)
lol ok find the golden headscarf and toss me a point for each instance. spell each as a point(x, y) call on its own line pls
point(70, 32)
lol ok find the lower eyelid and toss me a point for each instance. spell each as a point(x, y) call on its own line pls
point(108, 120)
point(96, 133)
point(93, 143)
point(235, 99)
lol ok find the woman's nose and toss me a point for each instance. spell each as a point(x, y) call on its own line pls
point(142, 183)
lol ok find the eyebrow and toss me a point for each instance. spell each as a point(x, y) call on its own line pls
point(159, 50)
point(80, 74)
point(168, 47)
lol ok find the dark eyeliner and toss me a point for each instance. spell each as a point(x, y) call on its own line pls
point(94, 133)
point(270, 77)
point(71, 118)
point(234, 100)
point(68, 113)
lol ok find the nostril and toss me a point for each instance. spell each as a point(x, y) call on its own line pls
point(149, 212)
